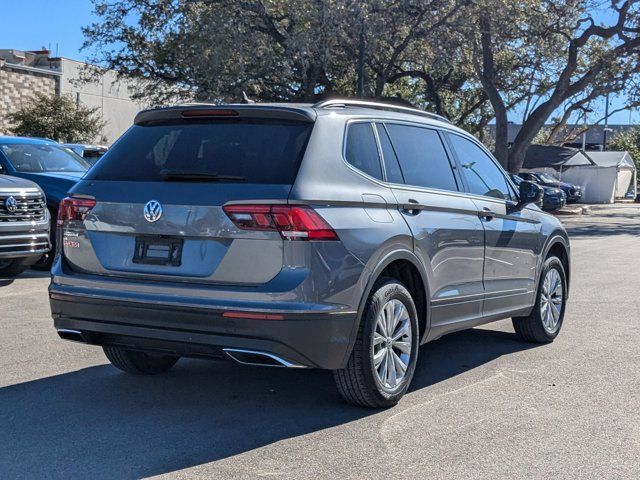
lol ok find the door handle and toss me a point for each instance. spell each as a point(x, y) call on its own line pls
point(412, 207)
point(487, 213)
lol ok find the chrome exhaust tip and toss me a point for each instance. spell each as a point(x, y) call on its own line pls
point(260, 359)
point(72, 335)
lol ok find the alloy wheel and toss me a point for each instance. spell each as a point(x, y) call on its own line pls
point(551, 300)
point(392, 344)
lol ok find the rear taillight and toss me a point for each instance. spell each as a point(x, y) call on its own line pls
point(74, 209)
point(294, 222)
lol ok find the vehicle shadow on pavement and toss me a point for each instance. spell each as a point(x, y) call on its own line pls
point(100, 423)
point(5, 281)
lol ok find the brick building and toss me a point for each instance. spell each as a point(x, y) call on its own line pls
point(23, 73)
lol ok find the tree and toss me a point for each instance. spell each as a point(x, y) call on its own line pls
point(570, 58)
point(57, 118)
point(628, 141)
point(472, 60)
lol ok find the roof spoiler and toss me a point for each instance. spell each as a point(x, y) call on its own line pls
point(209, 110)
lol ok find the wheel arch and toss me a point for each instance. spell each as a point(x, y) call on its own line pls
point(558, 245)
point(401, 265)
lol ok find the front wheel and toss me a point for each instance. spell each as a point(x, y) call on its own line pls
point(139, 363)
point(545, 320)
point(384, 356)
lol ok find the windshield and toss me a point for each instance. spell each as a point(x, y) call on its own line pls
point(547, 178)
point(37, 158)
point(242, 150)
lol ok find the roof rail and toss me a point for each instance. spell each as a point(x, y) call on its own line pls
point(378, 106)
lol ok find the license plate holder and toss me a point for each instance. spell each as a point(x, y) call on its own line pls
point(158, 250)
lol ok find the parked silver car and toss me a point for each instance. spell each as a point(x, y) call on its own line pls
point(24, 225)
point(340, 235)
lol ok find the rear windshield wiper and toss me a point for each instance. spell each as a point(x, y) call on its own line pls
point(169, 175)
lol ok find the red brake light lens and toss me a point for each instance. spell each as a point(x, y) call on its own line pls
point(74, 209)
point(209, 112)
point(293, 222)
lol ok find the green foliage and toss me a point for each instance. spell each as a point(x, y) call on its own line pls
point(57, 118)
point(475, 61)
point(628, 141)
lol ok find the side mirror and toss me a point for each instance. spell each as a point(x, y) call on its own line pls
point(529, 193)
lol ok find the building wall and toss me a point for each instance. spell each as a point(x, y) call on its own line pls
point(24, 73)
point(17, 87)
point(111, 96)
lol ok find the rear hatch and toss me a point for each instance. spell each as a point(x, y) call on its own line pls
point(160, 190)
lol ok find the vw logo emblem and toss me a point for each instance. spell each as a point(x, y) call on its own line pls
point(152, 211)
point(11, 204)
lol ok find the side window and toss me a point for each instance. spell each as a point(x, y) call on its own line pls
point(483, 175)
point(422, 157)
point(362, 150)
point(391, 165)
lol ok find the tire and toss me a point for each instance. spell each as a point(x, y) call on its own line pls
point(139, 363)
point(13, 267)
point(360, 382)
point(537, 327)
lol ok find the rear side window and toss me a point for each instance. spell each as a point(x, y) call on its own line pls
point(422, 157)
point(391, 165)
point(362, 150)
point(253, 150)
point(483, 175)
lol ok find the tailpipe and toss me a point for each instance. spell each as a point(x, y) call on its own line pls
point(72, 335)
point(261, 359)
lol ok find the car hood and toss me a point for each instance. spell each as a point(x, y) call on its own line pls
point(72, 176)
point(551, 190)
point(564, 185)
point(12, 183)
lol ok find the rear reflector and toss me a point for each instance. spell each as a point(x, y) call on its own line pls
point(210, 112)
point(74, 209)
point(252, 316)
point(294, 222)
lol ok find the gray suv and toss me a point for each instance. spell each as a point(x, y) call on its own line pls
point(340, 235)
point(24, 225)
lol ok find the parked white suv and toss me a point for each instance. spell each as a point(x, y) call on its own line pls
point(24, 225)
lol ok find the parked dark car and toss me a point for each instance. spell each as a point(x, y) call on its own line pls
point(573, 192)
point(553, 198)
point(24, 225)
point(340, 235)
point(91, 153)
point(54, 168)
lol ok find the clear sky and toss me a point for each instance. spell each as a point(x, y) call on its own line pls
point(57, 24)
point(32, 24)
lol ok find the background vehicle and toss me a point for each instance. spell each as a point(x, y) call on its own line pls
point(91, 153)
point(553, 198)
point(573, 192)
point(24, 225)
point(340, 235)
point(54, 168)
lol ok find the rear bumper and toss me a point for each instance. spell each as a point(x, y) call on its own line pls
point(310, 339)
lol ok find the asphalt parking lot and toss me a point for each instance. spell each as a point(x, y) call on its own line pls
point(482, 404)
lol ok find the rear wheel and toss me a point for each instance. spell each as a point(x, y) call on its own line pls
point(139, 363)
point(384, 356)
point(12, 267)
point(545, 320)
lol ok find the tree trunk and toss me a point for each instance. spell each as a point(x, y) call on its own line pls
point(487, 77)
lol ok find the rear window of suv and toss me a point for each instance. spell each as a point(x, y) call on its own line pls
point(243, 150)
